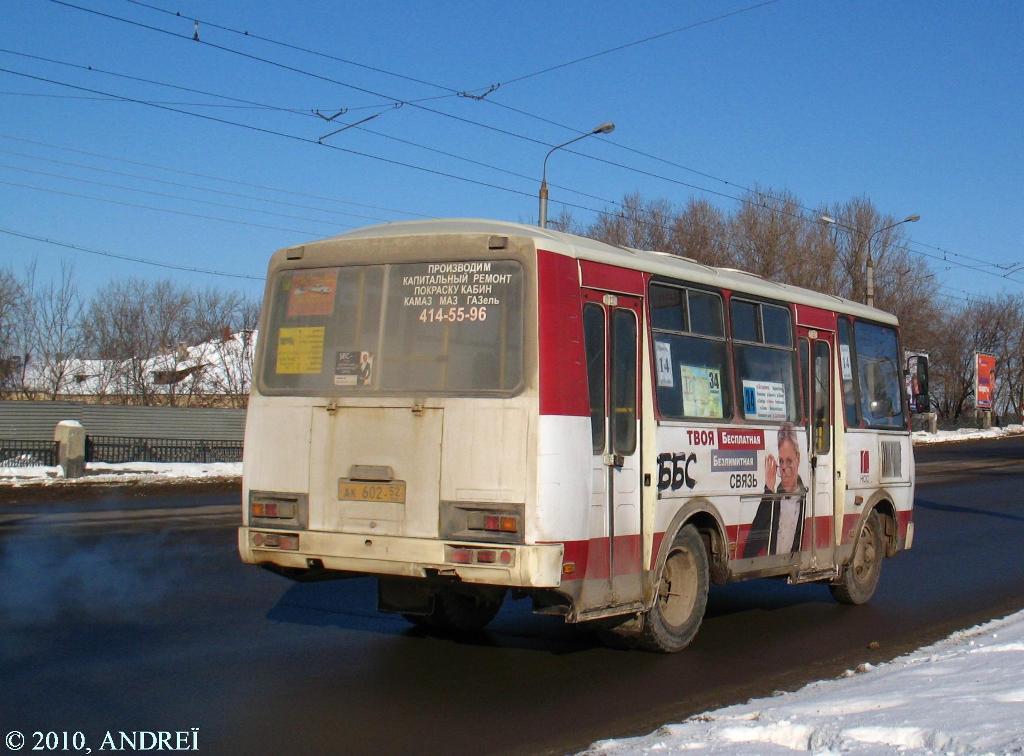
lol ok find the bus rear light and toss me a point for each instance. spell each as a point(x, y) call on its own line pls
point(568, 568)
point(501, 523)
point(467, 555)
point(284, 510)
point(493, 522)
point(282, 541)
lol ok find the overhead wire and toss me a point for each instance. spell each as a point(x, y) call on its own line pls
point(304, 232)
point(396, 102)
point(305, 113)
point(165, 195)
point(194, 187)
point(508, 81)
point(303, 139)
point(210, 177)
point(128, 258)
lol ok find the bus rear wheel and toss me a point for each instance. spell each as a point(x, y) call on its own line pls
point(860, 578)
point(461, 610)
point(678, 609)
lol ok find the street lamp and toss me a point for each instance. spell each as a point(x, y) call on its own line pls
point(604, 128)
point(869, 291)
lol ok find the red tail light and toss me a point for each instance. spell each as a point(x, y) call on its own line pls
point(465, 555)
point(284, 541)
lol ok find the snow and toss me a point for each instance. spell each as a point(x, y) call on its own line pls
point(966, 434)
point(964, 694)
point(126, 472)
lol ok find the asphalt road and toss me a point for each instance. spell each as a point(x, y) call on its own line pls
point(129, 610)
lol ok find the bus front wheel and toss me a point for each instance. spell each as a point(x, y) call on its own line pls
point(860, 578)
point(678, 609)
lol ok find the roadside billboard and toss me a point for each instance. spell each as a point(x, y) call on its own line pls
point(984, 380)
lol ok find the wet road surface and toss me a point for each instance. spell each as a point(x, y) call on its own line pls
point(130, 611)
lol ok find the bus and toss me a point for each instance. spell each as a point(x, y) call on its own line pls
point(463, 408)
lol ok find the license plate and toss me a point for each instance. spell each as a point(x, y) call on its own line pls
point(394, 491)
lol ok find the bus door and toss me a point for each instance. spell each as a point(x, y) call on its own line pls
point(611, 324)
point(816, 360)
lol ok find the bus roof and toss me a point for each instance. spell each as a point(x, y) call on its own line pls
point(656, 263)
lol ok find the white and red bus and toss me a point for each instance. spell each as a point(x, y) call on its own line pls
point(463, 407)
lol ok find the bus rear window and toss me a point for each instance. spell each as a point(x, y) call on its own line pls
point(444, 328)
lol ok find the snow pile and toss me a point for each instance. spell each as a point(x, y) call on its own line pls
point(126, 472)
point(966, 434)
point(215, 367)
point(964, 694)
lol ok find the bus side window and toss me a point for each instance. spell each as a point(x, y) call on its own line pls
point(624, 382)
point(822, 379)
point(846, 374)
point(593, 337)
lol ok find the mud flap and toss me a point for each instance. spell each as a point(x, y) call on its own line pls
point(405, 596)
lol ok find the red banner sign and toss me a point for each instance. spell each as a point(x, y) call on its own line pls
point(984, 381)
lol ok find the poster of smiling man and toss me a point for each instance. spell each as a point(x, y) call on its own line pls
point(777, 527)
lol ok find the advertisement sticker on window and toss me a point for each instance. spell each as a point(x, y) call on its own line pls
point(702, 391)
point(300, 351)
point(312, 293)
point(764, 400)
point(844, 358)
point(663, 359)
point(353, 369)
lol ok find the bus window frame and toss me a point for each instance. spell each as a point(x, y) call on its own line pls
point(722, 294)
point(850, 322)
point(528, 306)
point(793, 349)
point(904, 406)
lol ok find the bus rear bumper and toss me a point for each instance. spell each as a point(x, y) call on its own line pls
point(527, 566)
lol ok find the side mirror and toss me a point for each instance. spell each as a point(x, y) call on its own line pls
point(917, 369)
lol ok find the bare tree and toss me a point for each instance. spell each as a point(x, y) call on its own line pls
point(700, 232)
point(55, 334)
point(13, 344)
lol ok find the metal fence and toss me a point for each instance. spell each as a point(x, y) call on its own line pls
point(22, 453)
point(116, 449)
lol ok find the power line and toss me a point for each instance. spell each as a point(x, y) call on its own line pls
point(397, 102)
point(162, 209)
point(502, 105)
point(297, 48)
point(188, 186)
point(210, 177)
point(306, 113)
point(283, 134)
point(128, 258)
point(400, 102)
point(165, 195)
point(637, 42)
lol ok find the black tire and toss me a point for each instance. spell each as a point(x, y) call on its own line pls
point(461, 610)
point(678, 609)
point(860, 578)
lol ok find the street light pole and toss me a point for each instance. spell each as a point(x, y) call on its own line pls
point(604, 128)
point(869, 289)
point(869, 293)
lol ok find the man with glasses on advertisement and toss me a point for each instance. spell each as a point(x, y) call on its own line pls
point(778, 524)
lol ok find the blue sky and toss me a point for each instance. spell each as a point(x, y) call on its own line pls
point(918, 106)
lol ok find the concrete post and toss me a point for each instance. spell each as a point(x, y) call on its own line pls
point(933, 422)
point(71, 453)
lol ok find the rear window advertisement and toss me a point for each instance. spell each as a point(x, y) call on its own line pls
point(353, 369)
point(312, 293)
point(300, 351)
